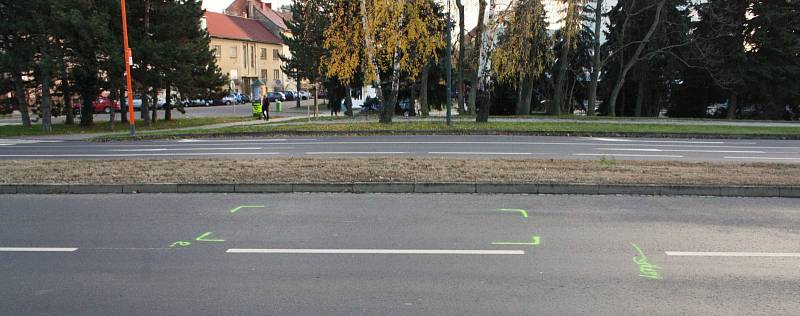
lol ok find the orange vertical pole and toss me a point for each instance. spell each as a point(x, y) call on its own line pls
point(128, 63)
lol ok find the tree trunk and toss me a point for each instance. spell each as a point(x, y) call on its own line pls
point(145, 111)
point(634, 59)
point(154, 117)
point(461, 52)
point(563, 65)
point(70, 114)
point(123, 102)
point(22, 102)
point(316, 93)
point(596, 60)
point(485, 74)
point(423, 91)
point(47, 126)
point(524, 102)
point(168, 103)
point(473, 89)
point(373, 64)
point(388, 108)
point(528, 96)
point(640, 94)
point(349, 102)
point(733, 104)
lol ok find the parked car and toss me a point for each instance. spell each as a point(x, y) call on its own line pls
point(304, 95)
point(322, 94)
point(405, 108)
point(274, 96)
point(290, 95)
point(229, 99)
point(105, 105)
point(244, 98)
point(197, 102)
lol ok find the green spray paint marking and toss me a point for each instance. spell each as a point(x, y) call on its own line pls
point(534, 242)
point(647, 269)
point(204, 236)
point(523, 212)
point(245, 206)
point(180, 243)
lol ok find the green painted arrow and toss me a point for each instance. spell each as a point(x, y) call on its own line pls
point(204, 236)
point(521, 211)
point(534, 242)
point(245, 206)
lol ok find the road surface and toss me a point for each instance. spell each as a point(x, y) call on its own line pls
point(344, 254)
point(417, 146)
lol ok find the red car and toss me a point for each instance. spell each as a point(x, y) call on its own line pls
point(101, 105)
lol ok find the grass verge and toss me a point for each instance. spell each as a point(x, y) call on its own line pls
point(300, 170)
point(104, 126)
point(511, 128)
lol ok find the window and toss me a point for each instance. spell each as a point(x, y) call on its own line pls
point(253, 56)
point(233, 51)
point(275, 54)
point(263, 54)
point(276, 74)
point(244, 53)
point(264, 75)
point(217, 51)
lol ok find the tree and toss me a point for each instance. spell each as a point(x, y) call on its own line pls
point(16, 48)
point(308, 24)
point(461, 55)
point(572, 25)
point(597, 64)
point(524, 51)
point(394, 37)
point(479, 30)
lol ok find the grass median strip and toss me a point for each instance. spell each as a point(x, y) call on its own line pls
point(102, 126)
point(522, 128)
point(325, 170)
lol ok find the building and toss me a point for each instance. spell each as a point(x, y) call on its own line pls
point(245, 50)
point(273, 20)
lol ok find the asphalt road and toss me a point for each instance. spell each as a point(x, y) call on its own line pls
point(342, 254)
point(418, 146)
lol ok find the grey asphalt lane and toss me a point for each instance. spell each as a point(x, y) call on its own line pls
point(603, 255)
point(419, 146)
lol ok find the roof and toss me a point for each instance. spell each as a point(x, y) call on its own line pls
point(233, 27)
point(274, 17)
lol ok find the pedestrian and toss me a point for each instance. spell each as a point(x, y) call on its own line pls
point(335, 109)
point(265, 108)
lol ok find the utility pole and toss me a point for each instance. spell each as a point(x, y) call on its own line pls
point(128, 63)
point(448, 60)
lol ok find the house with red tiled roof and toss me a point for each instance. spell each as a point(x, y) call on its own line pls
point(273, 20)
point(245, 50)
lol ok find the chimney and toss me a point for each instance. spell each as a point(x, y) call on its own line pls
point(267, 5)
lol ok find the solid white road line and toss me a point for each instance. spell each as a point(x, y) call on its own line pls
point(732, 254)
point(478, 153)
point(183, 149)
point(685, 150)
point(240, 140)
point(629, 155)
point(356, 153)
point(661, 141)
point(141, 155)
point(36, 249)
point(380, 251)
point(764, 158)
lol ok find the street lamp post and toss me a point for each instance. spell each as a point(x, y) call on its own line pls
point(448, 60)
point(128, 63)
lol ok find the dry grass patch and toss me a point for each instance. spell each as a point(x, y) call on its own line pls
point(392, 170)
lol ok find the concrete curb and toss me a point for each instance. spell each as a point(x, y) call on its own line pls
point(388, 187)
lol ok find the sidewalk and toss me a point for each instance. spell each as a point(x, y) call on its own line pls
point(83, 137)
